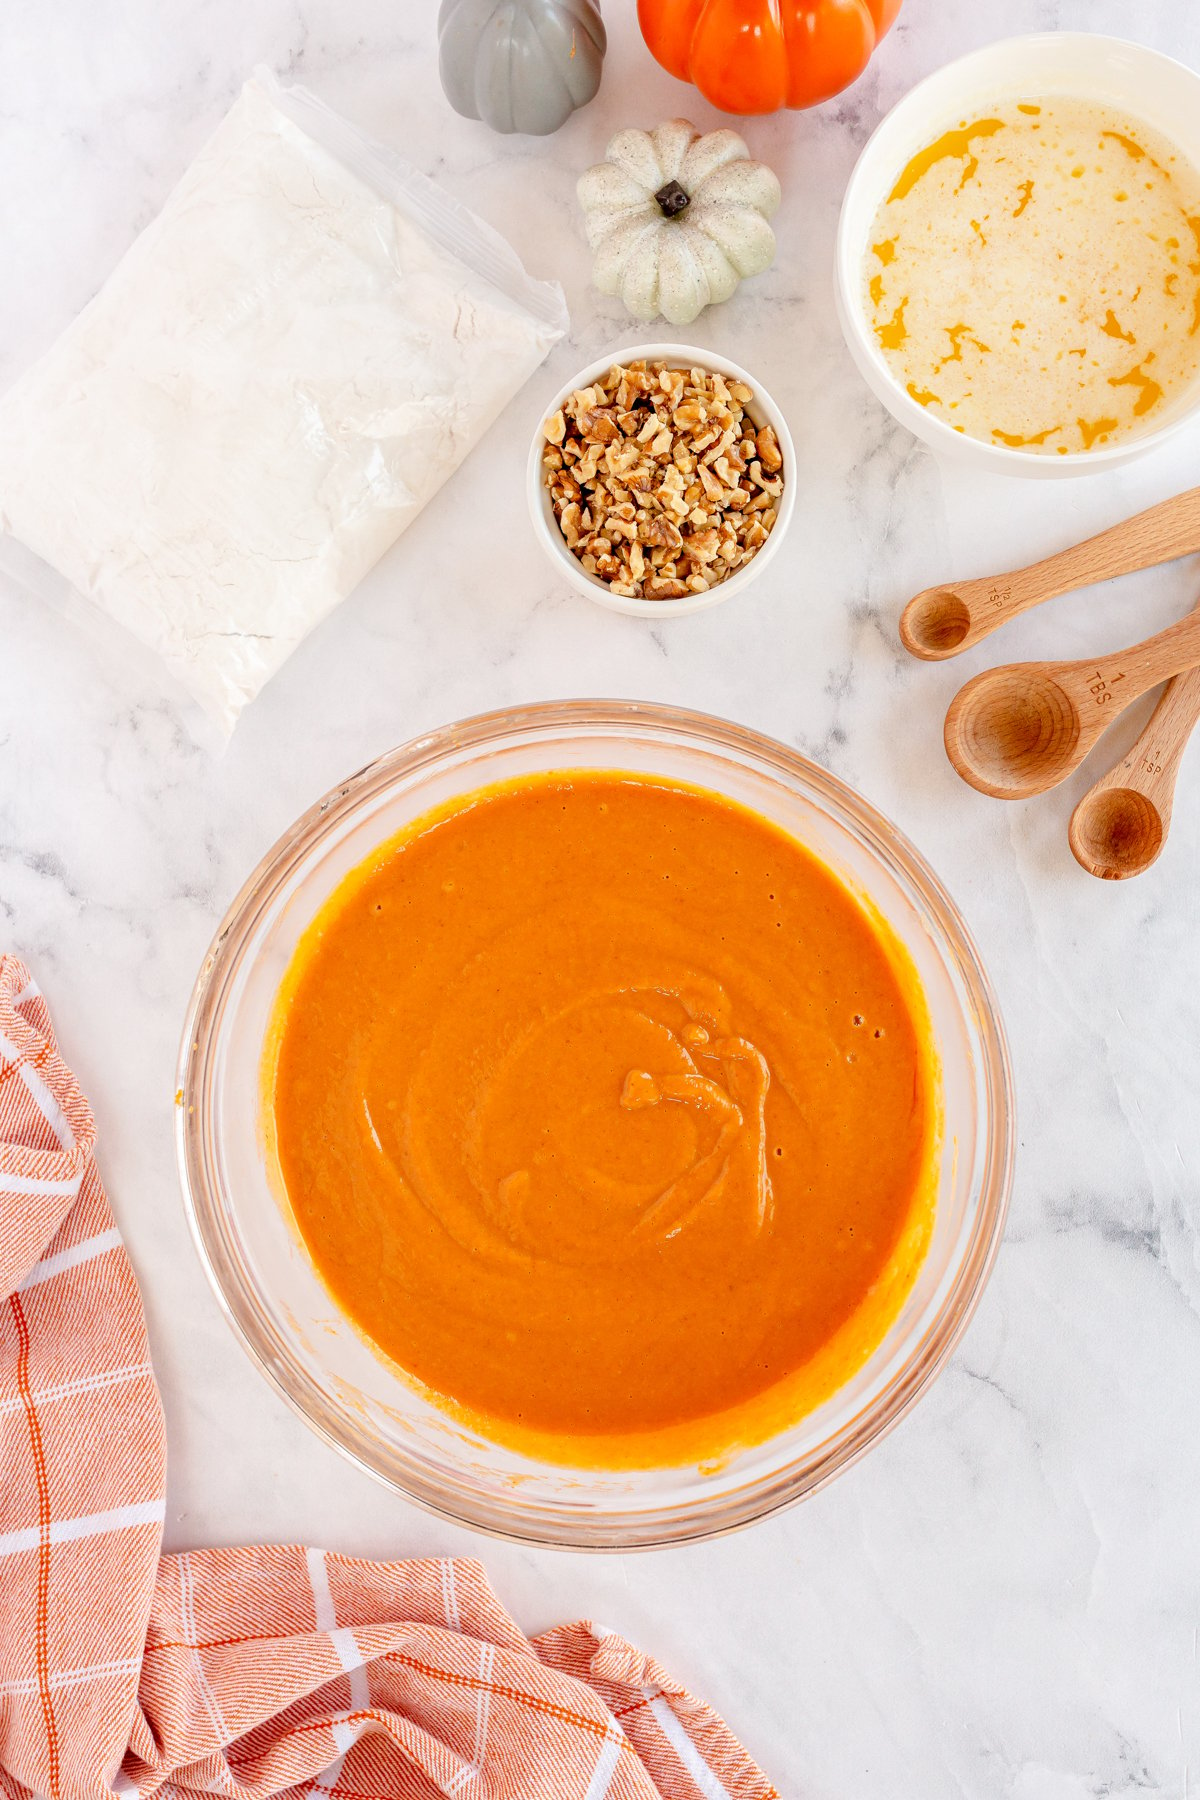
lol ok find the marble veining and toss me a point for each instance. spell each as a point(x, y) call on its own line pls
point(1002, 1600)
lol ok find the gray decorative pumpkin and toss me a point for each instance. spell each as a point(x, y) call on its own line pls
point(520, 65)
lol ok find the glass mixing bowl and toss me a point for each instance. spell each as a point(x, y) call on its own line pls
point(262, 1273)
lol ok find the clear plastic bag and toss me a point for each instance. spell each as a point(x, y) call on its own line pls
point(277, 376)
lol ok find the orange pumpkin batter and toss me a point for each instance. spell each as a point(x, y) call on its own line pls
point(608, 1113)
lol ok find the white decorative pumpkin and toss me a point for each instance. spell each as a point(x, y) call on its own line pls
point(676, 220)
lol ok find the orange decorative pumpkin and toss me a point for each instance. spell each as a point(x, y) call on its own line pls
point(754, 56)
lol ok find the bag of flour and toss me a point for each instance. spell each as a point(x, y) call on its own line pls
point(278, 375)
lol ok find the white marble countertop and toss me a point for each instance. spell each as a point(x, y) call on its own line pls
point(1002, 1600)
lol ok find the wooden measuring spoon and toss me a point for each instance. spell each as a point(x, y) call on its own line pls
point(1121, 824)
point(944, 620)
point(1022, 728)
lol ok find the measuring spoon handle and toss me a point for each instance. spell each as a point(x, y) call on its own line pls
point(1139, 667)
point(941, 622)
point(1152, 764)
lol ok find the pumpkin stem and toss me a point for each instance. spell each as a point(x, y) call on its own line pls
point(673, 198)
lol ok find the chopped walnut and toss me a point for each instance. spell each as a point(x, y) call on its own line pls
point(661, 482)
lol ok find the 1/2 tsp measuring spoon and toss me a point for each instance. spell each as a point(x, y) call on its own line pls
point(943, 621)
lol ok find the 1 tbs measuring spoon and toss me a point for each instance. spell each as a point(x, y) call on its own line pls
point(1022, 728)
point(942, 621)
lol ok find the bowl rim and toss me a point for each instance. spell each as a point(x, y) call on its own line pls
point(679, 355)
point(874, 368)
point(551, 1527)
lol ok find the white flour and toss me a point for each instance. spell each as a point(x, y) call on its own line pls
point(282, 370)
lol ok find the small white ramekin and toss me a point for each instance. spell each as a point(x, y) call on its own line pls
point(1150, 87)
point(762, 410)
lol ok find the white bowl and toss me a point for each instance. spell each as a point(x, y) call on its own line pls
point(1142, 83)
point(762, 410)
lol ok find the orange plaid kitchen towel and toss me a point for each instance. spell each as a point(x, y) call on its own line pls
point(258, 1672)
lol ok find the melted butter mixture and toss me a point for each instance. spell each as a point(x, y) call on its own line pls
point(608, 1114)
point(1033, 277)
